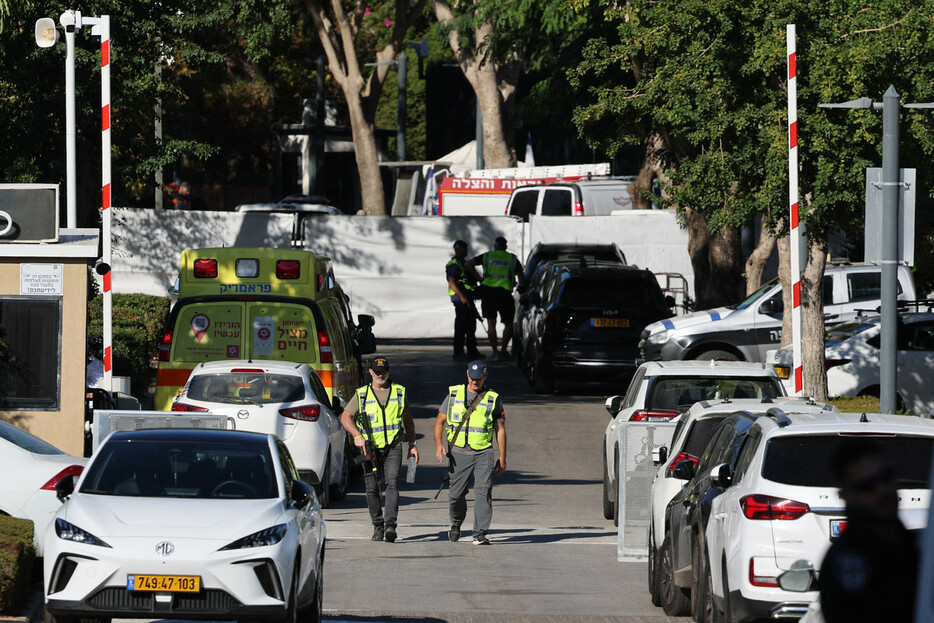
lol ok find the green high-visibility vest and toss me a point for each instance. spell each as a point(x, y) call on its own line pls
point(477, 432)
point(499, 270)
point(385, 423)
point(464, 281)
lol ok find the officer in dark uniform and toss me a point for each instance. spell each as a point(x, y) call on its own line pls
point(462, 290)
point(869, 573)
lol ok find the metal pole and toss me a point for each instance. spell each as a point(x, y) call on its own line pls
point(890, 192)
point(317, 183)
point(479, 136)
point(402, 116)
point(71, 194)
point(104, 31)
point(796, 237)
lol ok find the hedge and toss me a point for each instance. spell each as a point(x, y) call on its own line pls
point(17, 556)
point(138, 320)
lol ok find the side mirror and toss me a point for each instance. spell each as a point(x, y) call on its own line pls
point(65, 487)
point(660, 455)
point(366, 321)
point(771, 306)
point(612, 405)
point(300, 494)
point(721, 476)
point(800, 578)
point(338, 405)
point(670, 300)
point(684, 470)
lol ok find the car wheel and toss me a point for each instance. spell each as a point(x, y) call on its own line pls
point(339, 489)
point(322, 490)
point(291, 609)
point(727, 614)
point(607, 502)
point(541, 380)
point(315, 612)
point(716, 355)
point(698, 585)
point(617, 504)
point(674, 600)
point(653, 570)
point(712, 614)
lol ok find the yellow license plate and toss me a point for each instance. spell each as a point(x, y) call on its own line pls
point(782, 371)
point(611, 322)
point(164, 583)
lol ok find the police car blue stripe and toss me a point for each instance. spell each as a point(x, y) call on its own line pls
point(668, 325)
point(714, 315)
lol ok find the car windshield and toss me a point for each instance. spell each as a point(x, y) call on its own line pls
point(700, 433)
point(24, 440)
point(246, 388)
point(179, 469)
point(679, 393)
point(804, 460)
point(615, 293)
point(755, 296)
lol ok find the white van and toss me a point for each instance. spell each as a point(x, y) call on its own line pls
point(581, 198)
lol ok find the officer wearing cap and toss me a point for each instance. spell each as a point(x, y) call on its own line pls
point(501, 269)
point(471, 416)
point(377, 413)
point(462, 290)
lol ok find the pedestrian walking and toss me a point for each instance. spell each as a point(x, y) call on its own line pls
point(375, 417)
point(471, 416)
point(501, 269)
point(870, 572)
point(462, 290)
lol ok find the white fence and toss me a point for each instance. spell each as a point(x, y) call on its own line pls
point(392, 267)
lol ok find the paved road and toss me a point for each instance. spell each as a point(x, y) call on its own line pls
point(553, 556)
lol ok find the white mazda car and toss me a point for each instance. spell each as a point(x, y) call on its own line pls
point(285, 399)
point(186, 524)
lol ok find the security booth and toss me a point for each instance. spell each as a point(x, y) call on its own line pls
point(43, 316)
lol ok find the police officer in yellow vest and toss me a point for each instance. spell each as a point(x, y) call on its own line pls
point(462, 290)
point(386, 410)
point(470, 417)
point(501, 269)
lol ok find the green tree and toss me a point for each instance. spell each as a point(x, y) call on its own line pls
point(701, 85)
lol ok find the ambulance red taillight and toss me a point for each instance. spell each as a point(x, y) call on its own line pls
point(324, 347)
point(206, 269)
point(165, 348)
point(578, 208)
point(288, 269)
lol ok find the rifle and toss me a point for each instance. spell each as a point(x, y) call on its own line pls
point(370, 459)
point(447, 476)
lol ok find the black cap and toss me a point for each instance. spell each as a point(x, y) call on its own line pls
point(476, 369)
point(460, 244)
point(379, 365)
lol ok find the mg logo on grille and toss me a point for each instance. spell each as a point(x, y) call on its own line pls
point(165, 548)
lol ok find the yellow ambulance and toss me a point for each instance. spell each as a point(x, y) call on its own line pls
point(261, 303)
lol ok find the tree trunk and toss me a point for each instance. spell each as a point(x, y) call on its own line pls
point(812, 322)
point(366, 155)
point(716, 260)
point(784, 275)
point(757, 260)
point(652, 167)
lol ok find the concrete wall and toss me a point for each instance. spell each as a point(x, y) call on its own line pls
point(392, 267)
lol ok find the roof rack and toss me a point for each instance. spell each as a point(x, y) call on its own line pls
point(781, 418)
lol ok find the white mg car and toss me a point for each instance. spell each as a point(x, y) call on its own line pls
point(186, 524)
point(282, 398)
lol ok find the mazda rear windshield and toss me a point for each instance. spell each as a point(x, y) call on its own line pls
point(804, 460)
point(246, 388)
point(172, 469)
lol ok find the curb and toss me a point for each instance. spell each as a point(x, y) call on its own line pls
point(33, 611)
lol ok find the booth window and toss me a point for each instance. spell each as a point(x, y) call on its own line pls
point(30, 353)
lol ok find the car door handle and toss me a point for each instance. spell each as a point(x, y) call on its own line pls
point(719, 515)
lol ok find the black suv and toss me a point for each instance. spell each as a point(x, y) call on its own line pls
point(585, 324)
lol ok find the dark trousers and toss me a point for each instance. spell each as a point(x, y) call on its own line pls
point(392, 464)
point(480, 465)
point(465, 329)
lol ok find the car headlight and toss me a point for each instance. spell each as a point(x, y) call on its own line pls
point(269, 536)
point(659, 338)
point(70, 532)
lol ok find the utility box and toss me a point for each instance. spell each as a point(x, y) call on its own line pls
point(28, 213)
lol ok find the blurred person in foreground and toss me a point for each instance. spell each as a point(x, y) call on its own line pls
point(870, 571)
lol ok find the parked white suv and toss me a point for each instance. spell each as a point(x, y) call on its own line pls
point(660, 391)
point(780, 503)
point(693, 431)
point(745, 332)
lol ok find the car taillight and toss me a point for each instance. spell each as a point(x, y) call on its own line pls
point(760, 580)
point(555, 320)
point(181, 406)
point(324, 347)
point(642, 416)
point(165, 348)
point(71, 470)
point(248, 370)
point(305, 413)
point(288, 269)
point(578, 208)
point(833, 363)
point(681, 456)
point(768, 507)
point(206, 269)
